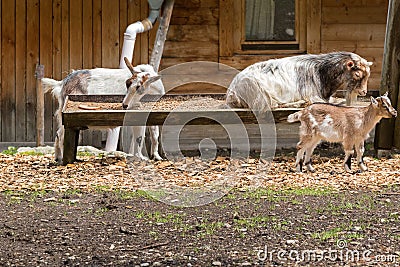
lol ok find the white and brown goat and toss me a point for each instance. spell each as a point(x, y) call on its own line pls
point(134, 82)
point(332, 123)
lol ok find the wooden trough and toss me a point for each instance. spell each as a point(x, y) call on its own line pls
point(93, 113)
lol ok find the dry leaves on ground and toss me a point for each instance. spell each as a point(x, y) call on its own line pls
point(24, 172)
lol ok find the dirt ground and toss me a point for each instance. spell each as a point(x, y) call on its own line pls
point(92, 214)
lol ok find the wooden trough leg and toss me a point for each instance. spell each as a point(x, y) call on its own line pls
point(71, 137)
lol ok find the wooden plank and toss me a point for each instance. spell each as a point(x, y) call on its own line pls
point(242, 61)
point(1, 77)
point(71, 137)
point(172, 61)
point(161, 36)
point(134, 14)
point(349, 32)
point(314, 26)
point(20, 71)
point(197, 3)
point(226, 31)
point(46, 59)
point(65, 39)
point(191, 49)
point(97, 38)
point(87, 35)
point(87, 56)
point(195, 16)
point(352, 45)
point(387, 131)
point(352, 3)
point(8, 71)
point(101, 118)
point(32, 59)
point(39, 74)
point(354, 15)
point(189, 33)
point(57, 53)
point(110, 31)
point(57, 40)
point(123, 22)
point(76, 34)
point(144, 37)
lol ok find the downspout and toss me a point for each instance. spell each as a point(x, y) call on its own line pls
point(138, 27)
point(127, 51)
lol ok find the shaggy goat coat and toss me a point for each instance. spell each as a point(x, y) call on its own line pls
point(292, 81)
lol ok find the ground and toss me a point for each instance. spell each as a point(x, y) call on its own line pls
point(89, 214)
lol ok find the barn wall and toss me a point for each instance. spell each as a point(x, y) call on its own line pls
point(356, 26)
point(61, 35)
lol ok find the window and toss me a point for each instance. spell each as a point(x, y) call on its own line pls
point(255, 30)
point(273, 25)
point(270, 20)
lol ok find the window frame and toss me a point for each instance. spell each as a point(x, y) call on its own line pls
point(300, 34)
point(232, 33)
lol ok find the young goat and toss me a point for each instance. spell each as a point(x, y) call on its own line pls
point(139, 80)
point(348, 125)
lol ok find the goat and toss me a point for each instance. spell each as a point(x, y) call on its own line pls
point(137, 85)
point(106, 81)
point(294, 81)
point(332, 123)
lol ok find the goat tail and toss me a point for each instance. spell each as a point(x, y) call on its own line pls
point(53, 86)
point(294, 117)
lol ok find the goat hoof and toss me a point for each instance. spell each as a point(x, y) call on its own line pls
point(157, 157)
point(141, 157)
point(363, 168)
point(310, 168)
point(299, 168)
point(347, 169)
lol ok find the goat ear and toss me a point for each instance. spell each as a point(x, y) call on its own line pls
point(129, 65)
point(152, 79)
point(374, 101)
point(369, 63)
point(386, 94)
point(350, 64)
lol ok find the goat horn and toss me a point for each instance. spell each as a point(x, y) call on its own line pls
point(129, 65)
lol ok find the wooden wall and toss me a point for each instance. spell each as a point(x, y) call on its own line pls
point(61, 35)
point(356, 26)
point(75, 34)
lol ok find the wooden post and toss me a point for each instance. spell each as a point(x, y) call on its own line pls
point(39, 73)
point(71, 139)
point(385, 137)
point(161, 34)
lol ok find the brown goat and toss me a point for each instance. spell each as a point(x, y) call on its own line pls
point(348, 125)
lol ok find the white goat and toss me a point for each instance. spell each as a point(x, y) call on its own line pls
point(348, 125)
point(293, 81)
point(108, 81)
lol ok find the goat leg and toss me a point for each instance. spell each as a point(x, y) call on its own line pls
point(154, 134)
point(347, 160)
point(360, 160)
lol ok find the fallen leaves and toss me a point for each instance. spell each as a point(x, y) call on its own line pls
point(38, 172)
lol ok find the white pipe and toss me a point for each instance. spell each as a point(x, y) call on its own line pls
point(129, 41)
point(127, 51)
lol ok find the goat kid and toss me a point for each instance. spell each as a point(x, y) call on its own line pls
point(294, 81)
point(103, 81)
point(332, 123)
